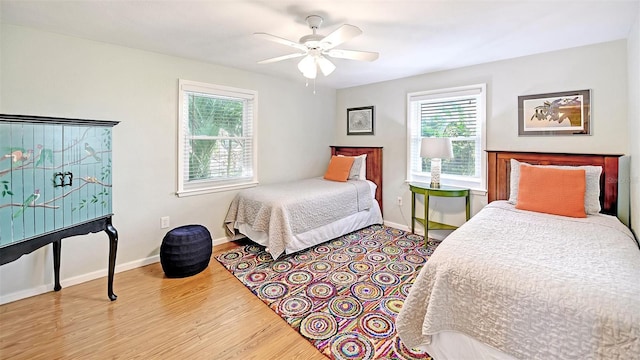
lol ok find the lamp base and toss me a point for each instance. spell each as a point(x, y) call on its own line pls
point(435, 172)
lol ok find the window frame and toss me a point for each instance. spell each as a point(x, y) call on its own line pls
point(472, 182)
point(205, 186)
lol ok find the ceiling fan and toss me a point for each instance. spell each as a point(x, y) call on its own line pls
point(316, 48)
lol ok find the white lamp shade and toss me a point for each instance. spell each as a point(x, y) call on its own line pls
point(325, 65)
point(436, 148)
point(307, 67)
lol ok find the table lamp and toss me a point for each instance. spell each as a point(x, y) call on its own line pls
point(436, 149)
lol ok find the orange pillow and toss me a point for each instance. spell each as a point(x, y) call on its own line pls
point(339, 168)
point(552, 191)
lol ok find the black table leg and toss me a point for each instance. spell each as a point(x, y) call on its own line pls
point(113, 248)
point(57, 245)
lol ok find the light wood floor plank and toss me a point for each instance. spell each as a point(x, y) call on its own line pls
point(210, 315)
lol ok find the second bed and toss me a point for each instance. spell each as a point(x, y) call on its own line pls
point(292, 216)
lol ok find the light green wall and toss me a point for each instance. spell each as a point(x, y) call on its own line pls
point(601, 68)
point(48, 74)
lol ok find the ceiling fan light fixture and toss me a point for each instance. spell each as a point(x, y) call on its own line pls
point(316, 48)
point(325, 65)
point(307, 67)
point(310, 75)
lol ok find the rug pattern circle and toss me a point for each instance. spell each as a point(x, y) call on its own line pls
point(377, 325)
point(320, 266)
point(295, 306)
point(392, 305)
point(385, 278)
point(400, 268)
point(342, 295)
point(273, 290)
point(352, 346)
point(281, 266)
point(322, 249)
point(299, 277)
point(366, 291)
point(245, 265)
point(342, 278)
point(346, 307)
point(370, 243)
point(361, 267)
point(318, 326)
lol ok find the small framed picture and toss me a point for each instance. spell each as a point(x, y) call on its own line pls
point(360, 121)
point(561, 113)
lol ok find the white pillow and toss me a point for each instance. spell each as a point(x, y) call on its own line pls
point(359, 168)
point(592, 178)
point(363, 168)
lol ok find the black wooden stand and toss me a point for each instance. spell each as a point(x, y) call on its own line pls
point(16, 250)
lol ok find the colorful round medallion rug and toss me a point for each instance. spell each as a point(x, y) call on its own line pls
point(343, 295)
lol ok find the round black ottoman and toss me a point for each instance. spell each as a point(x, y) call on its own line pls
point(185, 251)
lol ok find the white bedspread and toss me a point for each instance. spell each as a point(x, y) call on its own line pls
point(286, 209)
point(532, 285)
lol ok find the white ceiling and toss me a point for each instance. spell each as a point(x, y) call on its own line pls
point(412, 37)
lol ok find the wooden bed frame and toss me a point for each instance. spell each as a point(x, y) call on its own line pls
point(500, 168)
point(374, 163)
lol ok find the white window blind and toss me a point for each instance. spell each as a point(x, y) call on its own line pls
point(456, 113)
point(216, 138)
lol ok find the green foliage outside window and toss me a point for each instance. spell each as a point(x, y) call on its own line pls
point(455, 122)
point(215, 121)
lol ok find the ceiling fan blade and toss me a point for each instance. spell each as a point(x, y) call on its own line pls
point(340, 35)
point(352, 54)
point(325, 65)
point(280, 58)
point(280, 40)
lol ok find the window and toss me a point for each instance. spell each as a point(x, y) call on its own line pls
point(456, 113)
point(216, 138)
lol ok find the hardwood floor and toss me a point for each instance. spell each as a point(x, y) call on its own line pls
point(207, 316)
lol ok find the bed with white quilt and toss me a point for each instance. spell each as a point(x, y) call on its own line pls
point(520, 282)
point(292, 216)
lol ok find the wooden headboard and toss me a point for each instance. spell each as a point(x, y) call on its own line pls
point(500, 169)
point(374, 163)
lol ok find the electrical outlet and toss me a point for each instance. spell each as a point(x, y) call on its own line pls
point(399, 201)
point(164, 222)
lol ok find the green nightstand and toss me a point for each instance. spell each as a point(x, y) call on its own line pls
point(442, 191)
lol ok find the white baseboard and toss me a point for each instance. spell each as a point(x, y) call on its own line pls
point(396, 225)
point(220, 241)
point(23, 294)
point(79, 279)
